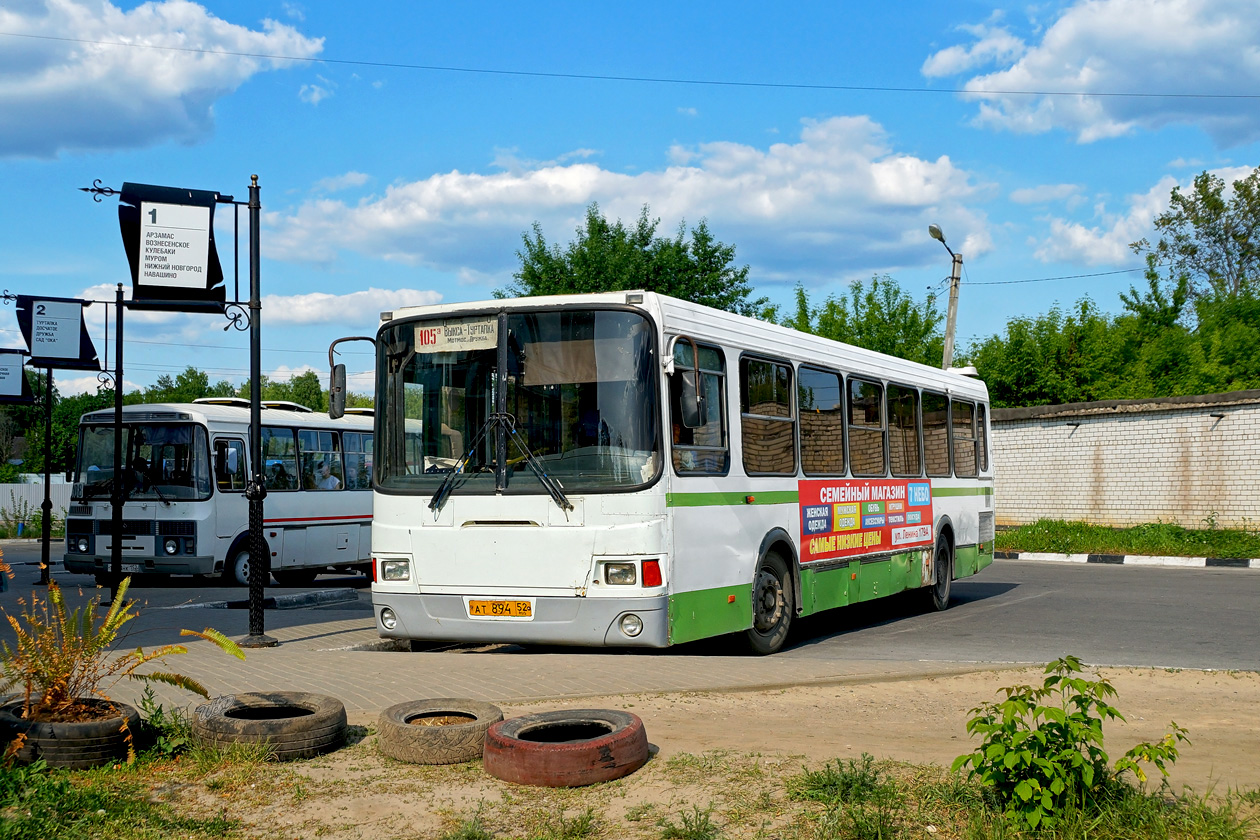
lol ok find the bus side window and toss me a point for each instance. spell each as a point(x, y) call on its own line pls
point(982, 435)
point(358, 452)
point(820, 395)
point(936, 434)
point(769, 429)
point(321, 460)
point(963, 427)
point(279, 459)
point(903, 432)
point(229, 464)
point(866, 427)
point(705, 449)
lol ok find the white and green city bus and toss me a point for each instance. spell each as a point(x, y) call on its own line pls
point(184, 476)
point(630, 469)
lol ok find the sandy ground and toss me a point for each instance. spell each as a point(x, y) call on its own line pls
point(724, 750)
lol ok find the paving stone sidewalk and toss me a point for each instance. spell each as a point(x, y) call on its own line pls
point(318, 658)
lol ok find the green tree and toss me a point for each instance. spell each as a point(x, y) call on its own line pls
point(1210, 239)
point(608, 257)
point(879, 316)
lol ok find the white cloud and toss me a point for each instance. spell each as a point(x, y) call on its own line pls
point(688, 112)
point(342, 182)
point(1106, 241)
point(838, 200)
point(1095, 47)
point(69, 386)
point(1045, 193)
point(102, 86)
point(353, 308)
point(993, 45)
point(313, 94)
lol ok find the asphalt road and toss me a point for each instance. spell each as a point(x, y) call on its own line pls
point(1014, 611)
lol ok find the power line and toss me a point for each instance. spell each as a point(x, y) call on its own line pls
point(1048, 279)
point(661, 80)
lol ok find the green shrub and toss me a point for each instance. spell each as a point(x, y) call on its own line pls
point(837, 783)
point(1042, 750)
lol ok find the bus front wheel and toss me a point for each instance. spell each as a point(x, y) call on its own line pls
point(942, 575)
point(772, 606)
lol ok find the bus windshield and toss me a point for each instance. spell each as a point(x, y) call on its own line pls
point(161, 462)
point(577, 386)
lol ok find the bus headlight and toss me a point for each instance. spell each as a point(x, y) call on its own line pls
point(395, 570)
point(631, 624)
point(619, 574)
point(388, 620)
point(171, 546)
point(82, 545)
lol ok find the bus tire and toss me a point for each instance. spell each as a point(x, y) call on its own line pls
point(942, 575)
point(772, 605)
point(402, 735)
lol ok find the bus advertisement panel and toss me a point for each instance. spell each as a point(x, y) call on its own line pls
point(842, 518)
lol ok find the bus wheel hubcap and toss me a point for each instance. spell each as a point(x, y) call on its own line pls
point(769, 601)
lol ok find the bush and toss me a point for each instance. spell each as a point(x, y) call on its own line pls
point(1042, 751)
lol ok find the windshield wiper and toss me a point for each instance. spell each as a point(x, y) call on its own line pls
point(448, 484)
point(549, 484)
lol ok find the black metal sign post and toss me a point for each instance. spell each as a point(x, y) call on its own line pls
point(168, 233)
point(118, 490)
point(45, 564)
point(256, 491)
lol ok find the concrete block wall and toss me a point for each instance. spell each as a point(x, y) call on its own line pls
point(1188, 460)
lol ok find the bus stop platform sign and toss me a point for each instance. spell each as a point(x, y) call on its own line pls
point(168, 233)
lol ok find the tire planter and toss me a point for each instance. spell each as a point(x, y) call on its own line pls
point(71, 745)
point(566, 749)
point(399, 736)
point(295, 724)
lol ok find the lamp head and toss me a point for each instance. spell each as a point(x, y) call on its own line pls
point(935, 232)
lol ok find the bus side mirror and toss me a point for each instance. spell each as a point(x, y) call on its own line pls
point(337, 392)
point(692, 405)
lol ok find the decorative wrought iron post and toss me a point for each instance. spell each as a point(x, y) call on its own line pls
point(118, 495)
point(256, 489)
point(45, 566)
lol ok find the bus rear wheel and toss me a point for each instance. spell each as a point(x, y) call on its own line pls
point(942, 575)
point(772, 606)
point(239, 567)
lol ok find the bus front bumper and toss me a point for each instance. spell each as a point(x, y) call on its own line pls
point(556, 620)
point(87, 564)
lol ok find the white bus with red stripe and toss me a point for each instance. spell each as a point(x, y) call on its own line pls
point(185, 511)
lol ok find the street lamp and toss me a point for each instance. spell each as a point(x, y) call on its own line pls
point(951, 318)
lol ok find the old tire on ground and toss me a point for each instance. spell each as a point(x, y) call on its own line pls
point(568, 748)
point(772, 604)
point(72, 746)
point(294, 723)
point(938, 593)
point(398, 736)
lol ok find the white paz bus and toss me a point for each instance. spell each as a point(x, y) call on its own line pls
point(630, 469)
point(184, 476)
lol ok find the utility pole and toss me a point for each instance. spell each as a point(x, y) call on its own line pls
point(955, 278)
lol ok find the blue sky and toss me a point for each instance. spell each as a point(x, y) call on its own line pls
point(840, 132)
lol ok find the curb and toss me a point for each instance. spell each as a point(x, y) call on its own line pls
point(296, 601)
point(1133, 560)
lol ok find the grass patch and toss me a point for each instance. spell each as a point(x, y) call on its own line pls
point(1160, 539)
point(36, 802)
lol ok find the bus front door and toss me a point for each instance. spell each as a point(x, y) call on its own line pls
point(231, 510)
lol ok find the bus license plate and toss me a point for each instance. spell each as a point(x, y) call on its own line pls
point(131, 568)
point(500, 609)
